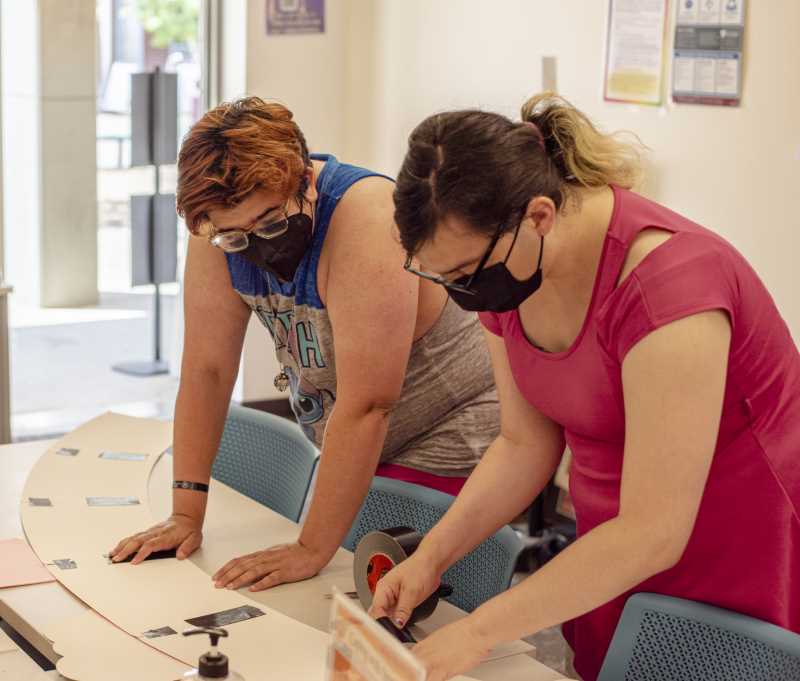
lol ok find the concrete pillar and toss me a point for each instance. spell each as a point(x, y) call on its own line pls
point(49, 135)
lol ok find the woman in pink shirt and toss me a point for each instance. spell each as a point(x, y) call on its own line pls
point(641, 340)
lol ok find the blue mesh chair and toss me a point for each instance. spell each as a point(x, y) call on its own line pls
point(477, 577)
point(660, 638)
point(266, 458)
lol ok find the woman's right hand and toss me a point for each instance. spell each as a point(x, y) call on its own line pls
point(177, 532)
point(404, 588)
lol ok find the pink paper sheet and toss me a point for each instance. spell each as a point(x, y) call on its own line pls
point(19, 565)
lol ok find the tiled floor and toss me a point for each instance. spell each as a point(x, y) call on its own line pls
point(61, 364)
point(552, 650)
point(61, 358)
point(551, 647)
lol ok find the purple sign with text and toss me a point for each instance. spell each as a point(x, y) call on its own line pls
point(287, 17)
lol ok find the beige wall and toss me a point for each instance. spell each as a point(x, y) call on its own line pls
point(304, 72)
point(383, 65)
point(735, 170)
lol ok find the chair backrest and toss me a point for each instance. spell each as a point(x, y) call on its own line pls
point(477, 577)
point(660, 638)
point(266, 458)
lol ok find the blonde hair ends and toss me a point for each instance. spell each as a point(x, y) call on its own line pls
point(583, 154)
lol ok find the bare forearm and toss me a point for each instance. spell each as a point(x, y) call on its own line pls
point(606, 562)
point(505, 481)
point(350, 454)
point(200, 412)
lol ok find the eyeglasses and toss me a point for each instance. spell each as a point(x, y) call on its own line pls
point(467, 287)
point(236, 240)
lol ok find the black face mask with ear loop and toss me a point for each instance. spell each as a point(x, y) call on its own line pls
point(494, 288)
point(282, 255)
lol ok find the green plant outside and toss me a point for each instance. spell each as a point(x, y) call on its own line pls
point(169, 21)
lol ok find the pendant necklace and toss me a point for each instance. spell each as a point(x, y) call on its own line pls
point(281, 380)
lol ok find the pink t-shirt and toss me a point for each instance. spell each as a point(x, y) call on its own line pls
point(446, 484)
point(744, 552)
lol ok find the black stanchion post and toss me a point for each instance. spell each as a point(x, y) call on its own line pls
point(154, 141)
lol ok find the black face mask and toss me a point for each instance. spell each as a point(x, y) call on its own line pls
point(282, 255)
point(494, 289)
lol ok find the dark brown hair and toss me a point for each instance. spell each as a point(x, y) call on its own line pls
point(234, 149)
point(482, 168)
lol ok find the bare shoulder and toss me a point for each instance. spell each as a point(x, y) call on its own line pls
point(361, 233)
point(643, 245)
point(366, 200)
point(364, 216)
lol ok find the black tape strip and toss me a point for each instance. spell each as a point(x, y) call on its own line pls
point(226, 617)
point(108, 502)
point(155, 555)
point(64, 564)
point(159, 633)
point(403, 635)
point(39, 501)
point(123, 456)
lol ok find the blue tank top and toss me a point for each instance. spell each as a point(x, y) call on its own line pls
point(333, 181)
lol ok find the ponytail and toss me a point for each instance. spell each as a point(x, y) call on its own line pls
point(582, 154)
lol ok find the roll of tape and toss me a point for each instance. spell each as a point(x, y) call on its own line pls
point(376, 554)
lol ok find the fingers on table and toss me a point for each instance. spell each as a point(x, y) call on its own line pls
point(272, 579)
point(262, 567)
point(233, 563)
point(237, 573)
point(128, 546)
point(154, 543)
point(189, 546)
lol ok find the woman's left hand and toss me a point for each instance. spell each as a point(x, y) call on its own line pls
point(451, 650)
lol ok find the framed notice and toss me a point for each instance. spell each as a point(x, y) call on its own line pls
point(292, 17)
point(360, 650)
point(707, 56)
point(635, 51)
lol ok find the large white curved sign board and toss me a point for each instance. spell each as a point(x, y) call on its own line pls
point(69, 532)
point(114, 461)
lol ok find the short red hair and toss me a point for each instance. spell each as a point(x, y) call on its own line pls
point(234, 149)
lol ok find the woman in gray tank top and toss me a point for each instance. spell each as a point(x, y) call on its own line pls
point(385, 375)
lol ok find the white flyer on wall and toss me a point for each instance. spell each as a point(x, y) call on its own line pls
point(635, 51)
point(707, 57)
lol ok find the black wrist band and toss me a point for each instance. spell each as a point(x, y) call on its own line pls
point(185, 484)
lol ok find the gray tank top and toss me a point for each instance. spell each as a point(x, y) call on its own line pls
point(448, 412)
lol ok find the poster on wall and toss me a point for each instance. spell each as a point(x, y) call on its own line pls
point(635, 51)
point(707, 57)
point(293, 17)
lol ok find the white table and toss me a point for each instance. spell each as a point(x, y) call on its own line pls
point(31, 609)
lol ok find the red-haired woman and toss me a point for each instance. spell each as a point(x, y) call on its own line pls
point(643, 340)
point(384, 373)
